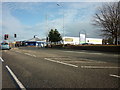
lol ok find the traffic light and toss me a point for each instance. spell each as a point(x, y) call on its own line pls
point(6, 37)
point(15, 35)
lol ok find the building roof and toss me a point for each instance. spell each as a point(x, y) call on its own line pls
point(34, 39)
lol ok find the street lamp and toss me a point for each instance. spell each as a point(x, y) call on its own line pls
point(47, 29)
point(63, 21)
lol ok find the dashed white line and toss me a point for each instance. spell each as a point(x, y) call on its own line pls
point(61, 62)
point(1, 59)
point(30, 54)
point(82, 52)
point(93, 61)
point(90, 53)
point(15, 78)
point(85, 52)
point(18, 51)
point(114, 75)
point(34, 55)
point(100, 67)
point(27, 54)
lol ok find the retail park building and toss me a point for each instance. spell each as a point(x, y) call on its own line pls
point(66, 40)
point(78, 40)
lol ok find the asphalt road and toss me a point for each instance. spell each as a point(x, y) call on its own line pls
point(51, 68)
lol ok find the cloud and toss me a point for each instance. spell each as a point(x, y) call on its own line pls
point(77, 17)
point(31, 7)
point(12, 25)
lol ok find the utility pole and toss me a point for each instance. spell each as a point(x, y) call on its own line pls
point(47, 38)
point(15, 36)
point(63, 22)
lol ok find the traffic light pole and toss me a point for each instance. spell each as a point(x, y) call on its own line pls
point(15, 35)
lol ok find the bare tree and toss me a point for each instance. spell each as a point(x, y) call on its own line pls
point(108, 19)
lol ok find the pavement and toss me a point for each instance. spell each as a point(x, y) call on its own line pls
point(30, 67)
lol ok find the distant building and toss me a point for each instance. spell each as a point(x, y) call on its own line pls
point(94, 40)
point(35, 42)
point(77, 40)
point(71, 40)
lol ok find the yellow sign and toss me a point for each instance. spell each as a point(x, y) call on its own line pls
point(69, 39)
point(95, 41)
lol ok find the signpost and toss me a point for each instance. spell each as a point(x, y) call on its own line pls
point(82, 38)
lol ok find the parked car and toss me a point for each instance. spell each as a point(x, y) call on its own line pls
point(5, 46)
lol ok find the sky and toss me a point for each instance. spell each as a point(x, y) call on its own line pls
point(27, 19)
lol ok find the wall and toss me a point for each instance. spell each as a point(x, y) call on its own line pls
point(103, 48)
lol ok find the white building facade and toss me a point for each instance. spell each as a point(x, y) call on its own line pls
point(77, 40)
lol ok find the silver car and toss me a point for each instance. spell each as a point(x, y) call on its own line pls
point(5, 46)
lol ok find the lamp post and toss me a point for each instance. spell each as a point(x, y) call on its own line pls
point(63, 21)
point(47, 38)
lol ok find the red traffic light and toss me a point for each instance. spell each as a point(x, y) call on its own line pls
point(6, 36)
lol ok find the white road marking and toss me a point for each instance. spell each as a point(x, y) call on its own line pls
point(81, 60)
point(84, 52)
point(18, 51)
point(30, 54)
point(93, 61)
point(114, 75)
point(116, 55)
point(95, 53)
point(99, 67)
point(27, 54)
point(61, 62)
point(34, 55)
point(5, 51)
point(1, 59)
point(85, 61)
point(15, 78)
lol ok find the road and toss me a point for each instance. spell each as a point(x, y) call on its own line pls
point(52, 68)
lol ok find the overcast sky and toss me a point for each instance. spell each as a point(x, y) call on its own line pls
point(27, 19)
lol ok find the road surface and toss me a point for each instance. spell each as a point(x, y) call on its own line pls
point(52, 68)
